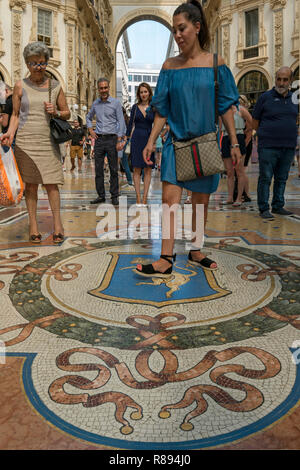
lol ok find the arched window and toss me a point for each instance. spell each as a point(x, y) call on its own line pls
point(252, 85)
point(295, 82)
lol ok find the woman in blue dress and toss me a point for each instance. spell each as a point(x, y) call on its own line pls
point(141, 118)
point(184, 97)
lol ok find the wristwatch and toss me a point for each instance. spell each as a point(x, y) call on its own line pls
point(234, 146)
point(58, 114)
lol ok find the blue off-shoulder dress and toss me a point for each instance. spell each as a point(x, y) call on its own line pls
point(186, 98)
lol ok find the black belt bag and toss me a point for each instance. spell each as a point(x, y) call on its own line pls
point(61, 130)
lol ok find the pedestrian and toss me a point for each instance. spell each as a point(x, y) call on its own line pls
point(63, 153)
point(185, 97)
point(297, 152)
point(274, 117)
point(77, 143)
point(249, 148)
point(141, 121)
point(109, 139)
point(242, 119)
point(124, 155)
point(88, 145)
point(38, 157)
point(7, 111)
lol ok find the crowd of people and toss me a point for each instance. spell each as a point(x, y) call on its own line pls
point(183, 107)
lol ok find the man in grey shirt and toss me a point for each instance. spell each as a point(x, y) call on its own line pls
point(109, 139)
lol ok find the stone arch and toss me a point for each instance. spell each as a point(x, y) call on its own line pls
point(133, 16)
point(254, 68)
point(54, 72)
point(263, 83)
point(295, 65)
point(6, 76)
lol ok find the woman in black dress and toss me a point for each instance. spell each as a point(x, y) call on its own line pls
point(141, 119)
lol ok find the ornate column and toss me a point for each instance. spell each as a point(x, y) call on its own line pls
point(70, 22)
point(56, 50)
point(2, 51)
point(225, 32)
point(295, 35)
point(17, 9)
point(277, 6)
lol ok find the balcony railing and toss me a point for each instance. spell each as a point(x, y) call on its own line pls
point(251, 52)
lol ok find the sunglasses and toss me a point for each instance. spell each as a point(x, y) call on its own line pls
point(35, 65)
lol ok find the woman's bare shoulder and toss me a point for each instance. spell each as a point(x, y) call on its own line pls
point(172, 63)
point(221, 61)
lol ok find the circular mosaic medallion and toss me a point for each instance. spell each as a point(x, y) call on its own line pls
point(193, 361)
point(94, 289)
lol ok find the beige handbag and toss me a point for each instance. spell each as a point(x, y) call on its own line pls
point(200, 156)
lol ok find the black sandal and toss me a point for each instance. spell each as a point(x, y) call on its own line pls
point(58, 237)
point(204, 263)
point(147, 270)
point(35, 238)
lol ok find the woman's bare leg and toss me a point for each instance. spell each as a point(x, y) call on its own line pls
point(54, 201)
point(241, 176)
point(230, 178)
point(137, 183)
point(199, 198)
point(31, 198)
point(171, 195)
point(147, 181)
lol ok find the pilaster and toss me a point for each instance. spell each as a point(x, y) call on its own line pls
point(17, 8)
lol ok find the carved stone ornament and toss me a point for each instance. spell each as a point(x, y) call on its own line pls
point(277, 3)
point(17, 4)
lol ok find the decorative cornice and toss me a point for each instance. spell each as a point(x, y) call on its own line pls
point(17, 4)
point(277, 4)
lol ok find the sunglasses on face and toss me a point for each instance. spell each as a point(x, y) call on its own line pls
point(35, 65)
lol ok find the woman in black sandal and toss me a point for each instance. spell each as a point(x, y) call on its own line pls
point(185, 97)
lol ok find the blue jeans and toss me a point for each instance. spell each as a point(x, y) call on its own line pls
point(273, 162)
point(126, 167)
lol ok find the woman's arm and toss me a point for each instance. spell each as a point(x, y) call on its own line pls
point(8, 137)
point(61, 107)
point(248, 120)
point(228, 121)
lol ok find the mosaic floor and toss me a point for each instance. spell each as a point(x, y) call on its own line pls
point(96, 357)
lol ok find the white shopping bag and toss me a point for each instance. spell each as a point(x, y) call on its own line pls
point(11, 184)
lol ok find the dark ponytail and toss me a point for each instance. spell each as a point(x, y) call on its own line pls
point(193, 11)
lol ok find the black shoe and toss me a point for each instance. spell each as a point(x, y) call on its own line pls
point(246, 198)
point(282, 211)
point(98, 200)
point(115, 201)
point(205, 263)
point(266, 215)
point(147, 270)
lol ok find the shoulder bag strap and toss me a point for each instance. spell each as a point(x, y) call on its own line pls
point(216, 89)
point(49, 88)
